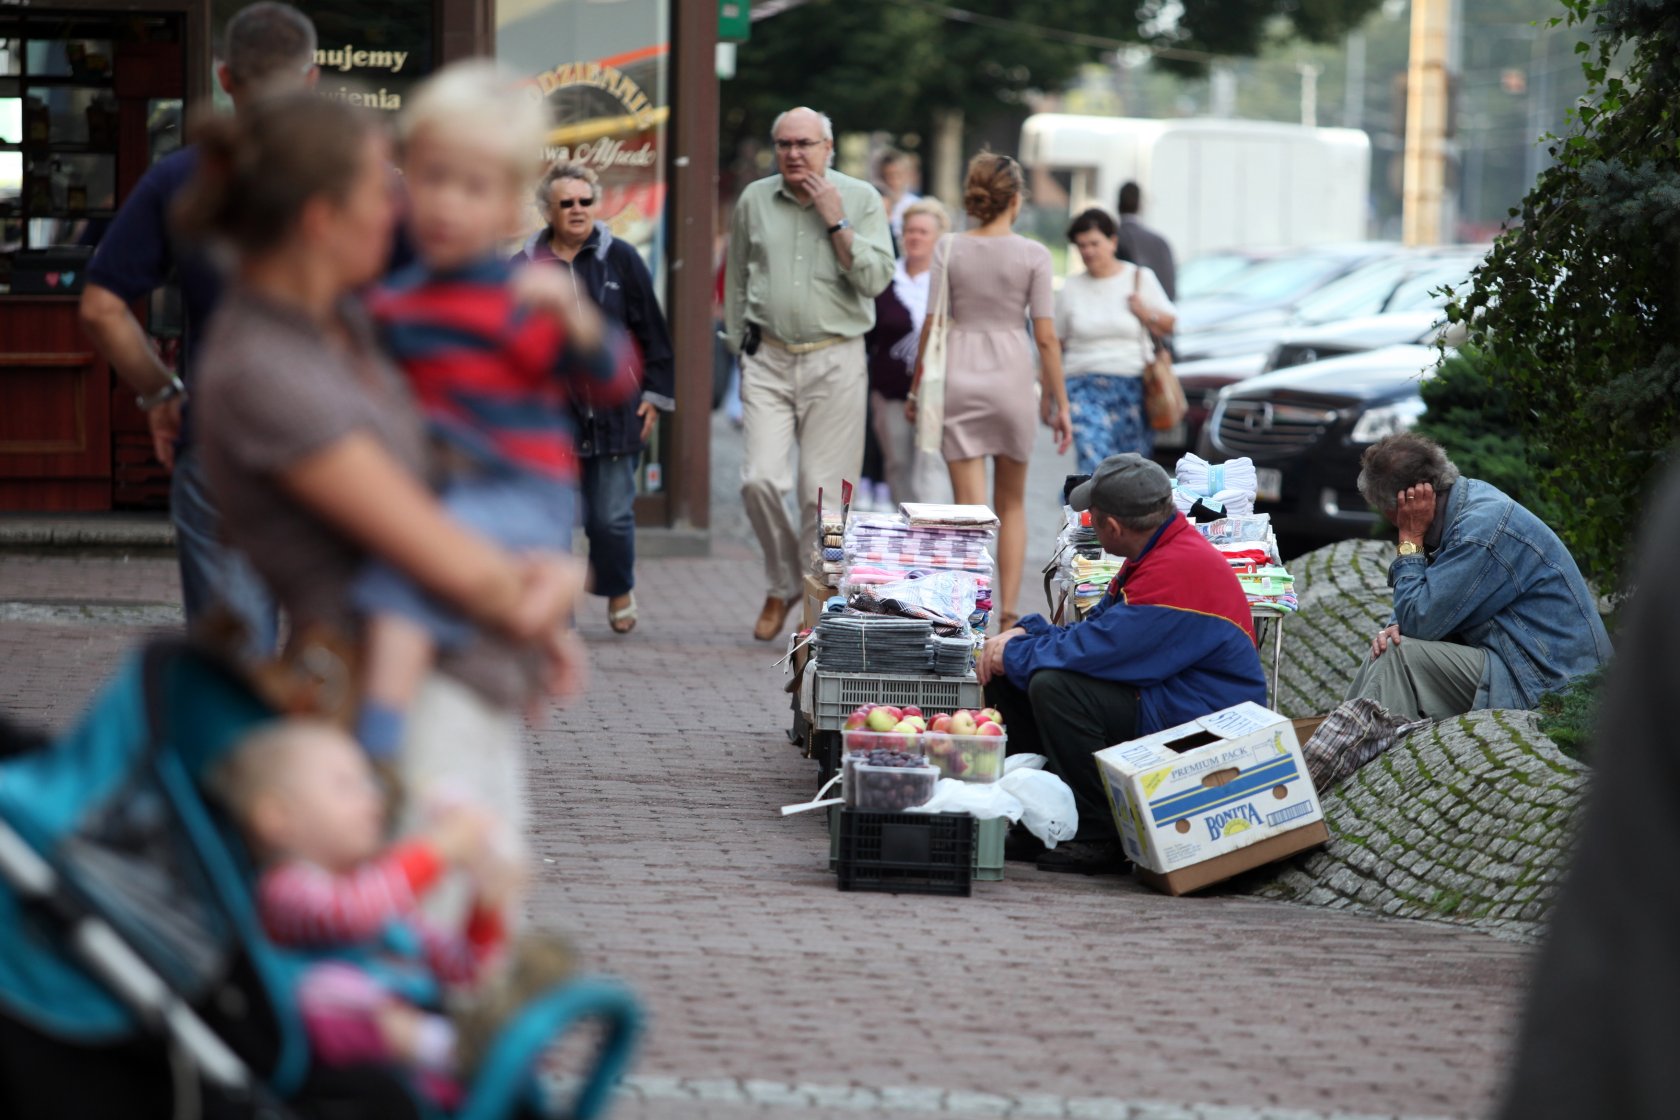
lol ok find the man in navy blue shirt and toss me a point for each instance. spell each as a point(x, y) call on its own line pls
point(269, 48)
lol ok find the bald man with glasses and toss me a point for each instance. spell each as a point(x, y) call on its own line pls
point(809, 250)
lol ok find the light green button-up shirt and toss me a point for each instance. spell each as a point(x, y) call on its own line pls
point(784, 275)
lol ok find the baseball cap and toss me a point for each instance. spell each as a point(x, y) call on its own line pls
point(1126, 485)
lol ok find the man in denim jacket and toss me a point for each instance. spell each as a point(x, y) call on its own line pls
point(1490, 610)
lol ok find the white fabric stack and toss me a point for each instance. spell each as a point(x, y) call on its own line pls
point(1227, 487)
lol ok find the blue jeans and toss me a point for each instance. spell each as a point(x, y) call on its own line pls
point(521, 513)
point(609, 520)
point(1108, 418)
point(212, 573)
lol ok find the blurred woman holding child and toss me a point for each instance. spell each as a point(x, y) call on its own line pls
point(321, 451)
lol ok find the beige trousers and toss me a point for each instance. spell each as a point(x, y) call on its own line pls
point(814, 403)
point(461, 747)
point(912, 474)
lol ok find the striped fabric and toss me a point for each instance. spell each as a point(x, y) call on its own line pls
point(495, 378)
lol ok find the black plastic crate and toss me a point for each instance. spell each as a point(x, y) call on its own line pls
point(906, 853)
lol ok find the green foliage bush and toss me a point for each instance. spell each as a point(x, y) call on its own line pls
point(1568, 715)
point(1472, 414)
point(1580, 301)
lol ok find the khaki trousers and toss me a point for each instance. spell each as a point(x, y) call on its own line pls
point(814, 403)
point(1422, 680)
point(461, 747)
point(912, 474)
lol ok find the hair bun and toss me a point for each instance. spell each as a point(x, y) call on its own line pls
point(994, 183)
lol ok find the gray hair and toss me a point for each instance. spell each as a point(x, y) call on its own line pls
point(1151, 521)
point(827, 127)
point(268, 40)
point(929, 208)
point(1399, 461)
point(559, 170)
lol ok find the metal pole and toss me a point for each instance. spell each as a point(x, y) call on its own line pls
point(1309, 92)
point(1425, 166)
point(1353, 96)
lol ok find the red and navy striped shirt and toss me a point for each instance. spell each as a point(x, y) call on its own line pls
point(494, 377)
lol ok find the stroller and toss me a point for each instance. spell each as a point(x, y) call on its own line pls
point(134, 977)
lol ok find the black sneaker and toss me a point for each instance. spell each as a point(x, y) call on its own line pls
point(1021, 846)
point(1086, 857)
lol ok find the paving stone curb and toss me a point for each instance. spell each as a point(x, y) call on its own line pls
point(1467, 821)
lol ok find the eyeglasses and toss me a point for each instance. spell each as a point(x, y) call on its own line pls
point(568, 203)
point(798, 145)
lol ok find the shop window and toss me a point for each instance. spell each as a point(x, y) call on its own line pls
point(60, 139)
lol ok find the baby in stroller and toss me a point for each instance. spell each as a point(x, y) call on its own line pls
point(377, 974)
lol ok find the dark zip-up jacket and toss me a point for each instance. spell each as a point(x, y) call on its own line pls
point(614, 275)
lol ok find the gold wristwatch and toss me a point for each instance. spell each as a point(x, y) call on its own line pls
point(1410, 548)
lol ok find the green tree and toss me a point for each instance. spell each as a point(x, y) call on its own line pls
point(890, 64)
point(1579, 300)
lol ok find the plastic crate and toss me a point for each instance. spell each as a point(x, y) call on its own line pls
point(988, 846)
point(838, 695)
point(905, 853)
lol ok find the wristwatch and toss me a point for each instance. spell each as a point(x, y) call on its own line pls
point(148, 401)
point(843, 223)
point(1410, 548)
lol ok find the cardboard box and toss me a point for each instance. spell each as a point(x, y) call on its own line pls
point(817, 593)
point(1202, 802)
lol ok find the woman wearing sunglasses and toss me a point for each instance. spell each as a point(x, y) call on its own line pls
point(609, 439)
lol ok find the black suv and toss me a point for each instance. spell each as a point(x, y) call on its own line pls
point(1306, 427)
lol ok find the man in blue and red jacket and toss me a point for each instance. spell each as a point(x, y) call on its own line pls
point(1172, 640)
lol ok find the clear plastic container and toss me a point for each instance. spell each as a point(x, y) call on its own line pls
point(862, 742)
point(888, 789)
point(968, 758)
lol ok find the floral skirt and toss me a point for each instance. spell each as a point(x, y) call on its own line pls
point(1108, 418)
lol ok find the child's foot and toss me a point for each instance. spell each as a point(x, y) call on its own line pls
point(621, 613)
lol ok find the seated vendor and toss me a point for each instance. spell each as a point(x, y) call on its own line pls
point(1490, 610)
point(1172, 640)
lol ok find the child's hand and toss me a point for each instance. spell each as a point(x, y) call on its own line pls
point(546, 288)
point(552, 585)
point(461, 834)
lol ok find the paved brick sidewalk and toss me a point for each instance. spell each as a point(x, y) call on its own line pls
point(774, 995)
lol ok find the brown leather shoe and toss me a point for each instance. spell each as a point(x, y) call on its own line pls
point(773, 618)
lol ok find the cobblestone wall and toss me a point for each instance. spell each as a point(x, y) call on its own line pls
point(1468, 821)
point(1345, 599)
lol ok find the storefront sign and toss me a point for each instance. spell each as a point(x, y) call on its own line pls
point(370, 52)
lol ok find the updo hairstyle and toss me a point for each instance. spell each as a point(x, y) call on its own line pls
point(994, 182)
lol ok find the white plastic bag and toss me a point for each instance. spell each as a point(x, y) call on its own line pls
point(1047, 804)
point(982, 801)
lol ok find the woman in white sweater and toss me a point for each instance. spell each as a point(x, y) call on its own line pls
point(1101, 317)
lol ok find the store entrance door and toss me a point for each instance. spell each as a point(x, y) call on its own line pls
point(88, 101)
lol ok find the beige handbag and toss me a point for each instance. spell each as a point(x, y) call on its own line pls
point(930, 391)
point(1163, 395)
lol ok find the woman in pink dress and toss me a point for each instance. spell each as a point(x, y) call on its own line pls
point(995, 390)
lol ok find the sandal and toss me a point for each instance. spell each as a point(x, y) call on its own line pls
point(623, 620)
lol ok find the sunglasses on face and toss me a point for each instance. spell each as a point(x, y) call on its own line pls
point(568, 203)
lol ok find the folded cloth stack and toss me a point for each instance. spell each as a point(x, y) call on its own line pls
point(1082, 567)
point(1271, 587)
point(833, 550)
point(887, 548)
point(852, 642)
point(1229, 487)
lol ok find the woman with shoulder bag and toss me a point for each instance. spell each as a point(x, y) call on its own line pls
point(989, 283)
point(1109, 319)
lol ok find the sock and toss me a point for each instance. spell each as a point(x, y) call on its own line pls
point(379, 728)
point(434, 1044)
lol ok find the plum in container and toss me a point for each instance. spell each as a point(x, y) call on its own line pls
point(968, 758)
point(888, 789)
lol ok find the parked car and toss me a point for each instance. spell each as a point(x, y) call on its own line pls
point(1402, 280)
point(1202, 382)
point(1275, 285)
point(1305, 428)
point(1355, 336)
